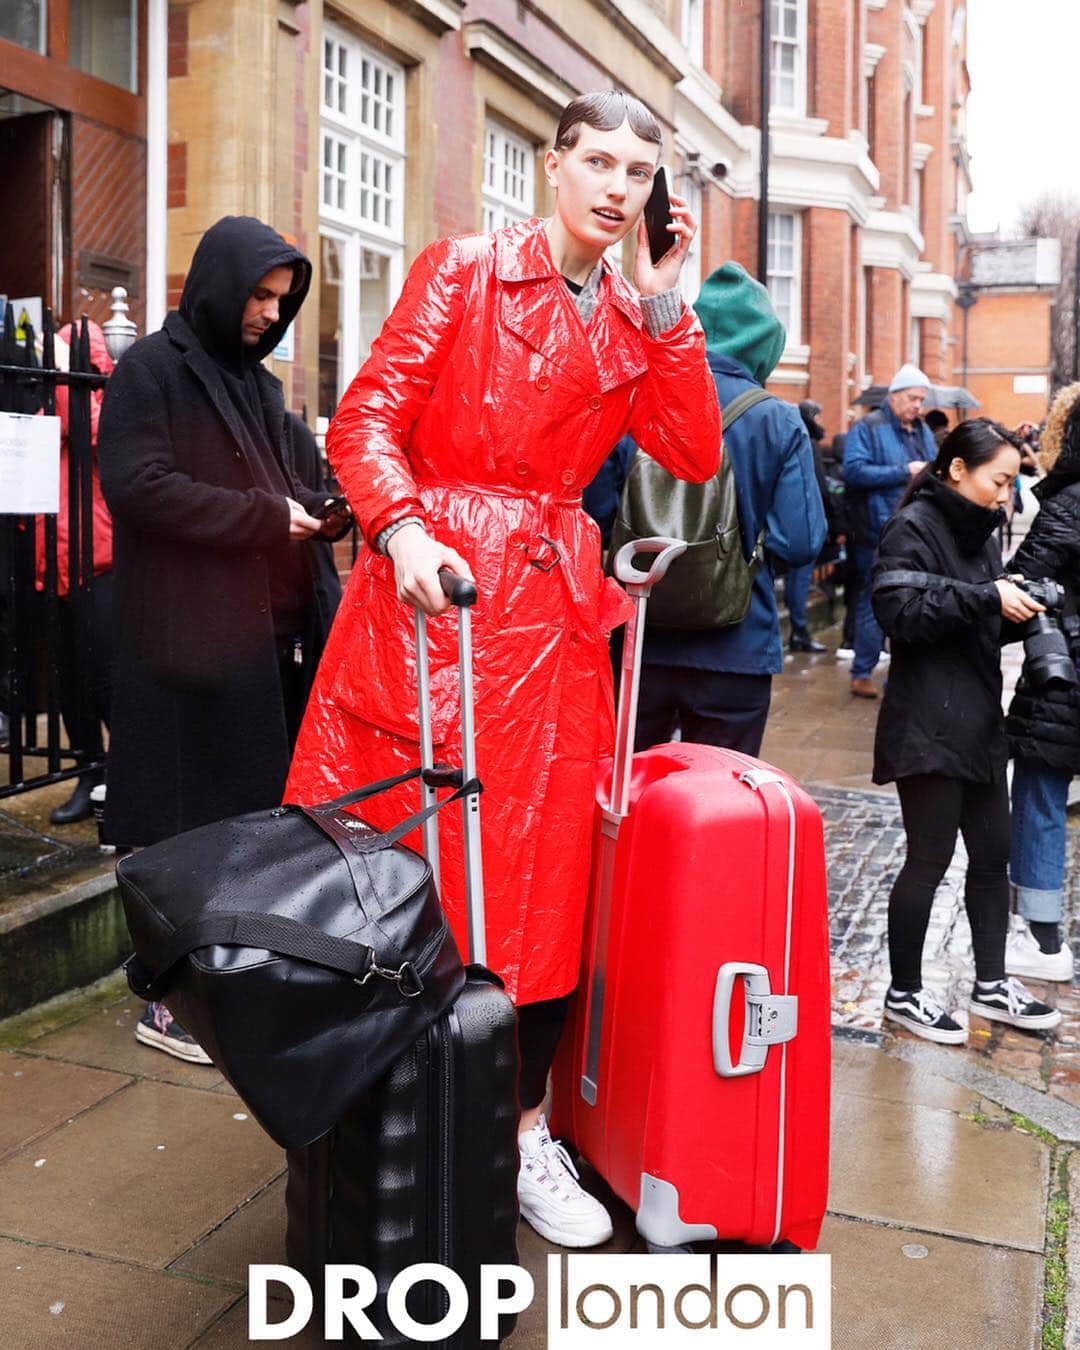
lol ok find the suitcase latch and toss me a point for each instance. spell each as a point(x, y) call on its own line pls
point(770, 1019)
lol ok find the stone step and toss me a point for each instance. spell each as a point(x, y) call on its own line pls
point(61, 926)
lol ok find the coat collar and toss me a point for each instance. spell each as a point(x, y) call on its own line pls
point(206, 370)
point(539, 308)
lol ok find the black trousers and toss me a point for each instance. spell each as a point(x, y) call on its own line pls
point(709, 707)
point(68, 650)
point(539, 1027)
point(935, 809)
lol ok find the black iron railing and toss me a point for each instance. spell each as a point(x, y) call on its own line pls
point(34, 655)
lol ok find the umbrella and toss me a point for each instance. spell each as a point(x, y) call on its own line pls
point(940, 396)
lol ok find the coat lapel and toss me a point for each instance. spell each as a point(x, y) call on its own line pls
point(623, 350)
point(536, 305)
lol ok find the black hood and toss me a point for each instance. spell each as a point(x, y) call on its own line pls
point(231, 257)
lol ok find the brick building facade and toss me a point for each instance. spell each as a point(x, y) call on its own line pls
point(365, 128)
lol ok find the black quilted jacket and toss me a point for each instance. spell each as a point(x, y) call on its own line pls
point(1044, 724)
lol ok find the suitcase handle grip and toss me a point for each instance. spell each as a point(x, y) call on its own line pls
point(665, 551)
point(459, 591)
point(771, 1019)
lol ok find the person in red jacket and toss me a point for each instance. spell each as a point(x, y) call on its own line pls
point(510, 366)
point(77, 807)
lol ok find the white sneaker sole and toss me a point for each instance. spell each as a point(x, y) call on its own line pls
point(563, 1237)
point(957, 1037)
point(157, 1040)
point(1041, 1023)
point(1058, 969)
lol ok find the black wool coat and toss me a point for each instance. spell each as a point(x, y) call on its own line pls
point(941, 712)
point(1043, 725)
point(198, 720)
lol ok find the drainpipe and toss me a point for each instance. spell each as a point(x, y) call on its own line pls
point(157, 141)
point(763, 117)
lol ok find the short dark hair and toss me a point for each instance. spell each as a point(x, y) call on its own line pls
point(936, 418)
point(604, 111)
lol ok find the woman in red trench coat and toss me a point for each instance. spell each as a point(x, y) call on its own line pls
point(510, 366)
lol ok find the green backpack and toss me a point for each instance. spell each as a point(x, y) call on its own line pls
point(709, 585)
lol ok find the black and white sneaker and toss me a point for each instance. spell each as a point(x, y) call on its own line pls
point(1008, 1001)
point(921, 1013)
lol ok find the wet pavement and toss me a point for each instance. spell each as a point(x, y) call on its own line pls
point(135, 1190)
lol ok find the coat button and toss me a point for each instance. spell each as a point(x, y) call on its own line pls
point(567, 477)
point(543, 383)
point(596, 402)
point(263, 607)
point(521, 468)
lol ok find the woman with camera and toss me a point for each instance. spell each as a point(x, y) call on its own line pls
point(1043, 725)
point(939, 594)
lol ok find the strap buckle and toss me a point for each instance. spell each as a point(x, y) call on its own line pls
point(406, 977)
point(547, 566)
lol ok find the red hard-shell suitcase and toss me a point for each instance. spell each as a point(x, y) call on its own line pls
point(695, 1076)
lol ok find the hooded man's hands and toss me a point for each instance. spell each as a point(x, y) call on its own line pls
point(301, 525)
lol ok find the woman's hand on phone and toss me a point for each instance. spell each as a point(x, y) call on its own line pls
point(653, 278)
point(1016, 605)
point(417, 559)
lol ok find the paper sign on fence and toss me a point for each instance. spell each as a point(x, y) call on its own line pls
point(29, 465)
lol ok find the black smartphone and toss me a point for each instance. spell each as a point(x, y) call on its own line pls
point(658, 217)
point(332, 508)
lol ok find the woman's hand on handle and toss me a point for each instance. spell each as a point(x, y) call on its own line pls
point(417, 559)
point(1016, 605)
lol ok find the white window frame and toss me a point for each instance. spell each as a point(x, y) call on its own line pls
point(371, 127)
point(508, 186)
point(914, 342)
point(794, 327)
point(777, 42)
point(690, 276)
point(377, 138)
point(693, 30)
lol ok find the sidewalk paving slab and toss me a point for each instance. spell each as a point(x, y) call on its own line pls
point(62, 1300)
point(40, 1095)
point(139, 1178)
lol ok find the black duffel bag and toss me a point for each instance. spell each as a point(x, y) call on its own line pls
point(303, 949)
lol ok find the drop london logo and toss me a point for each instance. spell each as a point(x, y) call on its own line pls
point(639, 1301)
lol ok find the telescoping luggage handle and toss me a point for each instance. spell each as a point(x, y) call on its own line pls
point(638, 585)
point(462, 594)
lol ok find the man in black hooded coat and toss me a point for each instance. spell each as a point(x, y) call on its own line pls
point(219, 626)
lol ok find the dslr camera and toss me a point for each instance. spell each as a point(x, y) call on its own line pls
point(1046, 648)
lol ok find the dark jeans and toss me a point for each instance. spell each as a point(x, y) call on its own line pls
point(868, 635)
point(539, 1027)
point(934, 810)
point(709, 707)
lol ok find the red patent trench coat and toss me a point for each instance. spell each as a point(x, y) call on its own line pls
point(485, 408)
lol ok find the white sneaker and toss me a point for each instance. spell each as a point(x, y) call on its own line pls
point(845, 653)
point(1024, 956)
point(549, 1194)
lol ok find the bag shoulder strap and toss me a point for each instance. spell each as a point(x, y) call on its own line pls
point(741, 403)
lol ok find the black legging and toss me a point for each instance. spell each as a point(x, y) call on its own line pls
point(539, 1028)
point(934, 809)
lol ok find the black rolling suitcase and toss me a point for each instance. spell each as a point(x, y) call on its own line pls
point(424, 1167)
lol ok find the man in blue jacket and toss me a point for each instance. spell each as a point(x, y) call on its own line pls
point(716, 685)
point(882, 454)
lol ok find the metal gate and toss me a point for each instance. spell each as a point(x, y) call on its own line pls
point(46, 638)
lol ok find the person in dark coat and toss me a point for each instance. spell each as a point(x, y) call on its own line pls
point(217, 625)
point(716, 685)
point(310, 470)
point(798, 580)
point(939, 593)
point(882, 454)
point(1043, 725)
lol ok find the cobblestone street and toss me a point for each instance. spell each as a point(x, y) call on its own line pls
point(825, 737)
